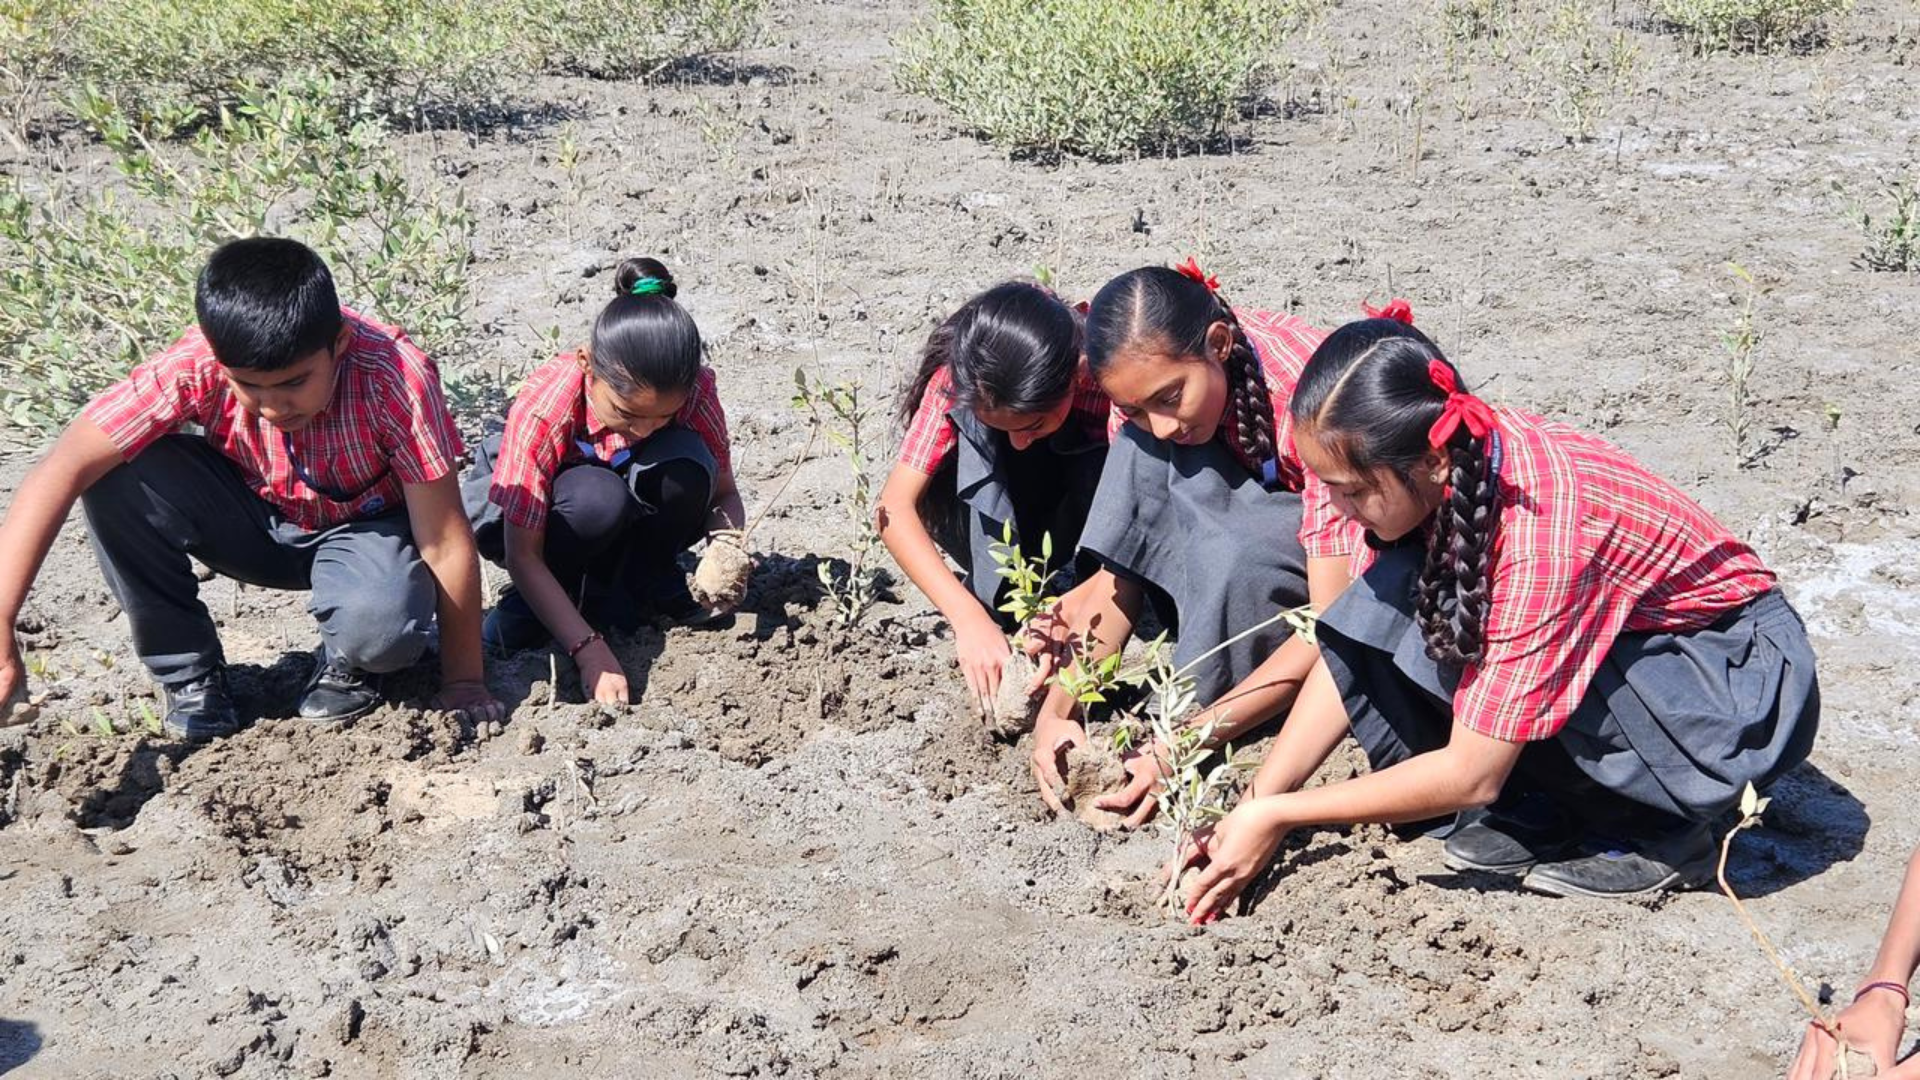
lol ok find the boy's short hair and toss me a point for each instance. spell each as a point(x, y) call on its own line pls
point(264, 303)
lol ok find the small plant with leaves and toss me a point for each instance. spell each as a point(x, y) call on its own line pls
point(1011, 711)
point(838, 411)
point(1893, 239)
point(1741, 340)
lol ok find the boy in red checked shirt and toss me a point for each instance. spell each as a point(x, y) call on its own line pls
point(326, 464)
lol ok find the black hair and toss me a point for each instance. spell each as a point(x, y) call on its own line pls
point(1155, 303)
point(266, 303)
point(1368, 396)
point(1014, 347)
point(643, 337)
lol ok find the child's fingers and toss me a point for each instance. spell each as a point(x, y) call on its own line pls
point(1127, 797)
point(1215, 893)
point(1148, 806)
point(1046, 787)
point(1203, 889)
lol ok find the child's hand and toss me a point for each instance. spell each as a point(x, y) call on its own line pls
point(600, 674)
point(470, 700)
point(1231, 854)
point(1144, 768)
point(1053, 736)
point(983, 653)
point(1872, 1025)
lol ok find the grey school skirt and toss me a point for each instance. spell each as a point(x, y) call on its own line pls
point(1678, 722)
point(1043, 490)
point(1193, 522)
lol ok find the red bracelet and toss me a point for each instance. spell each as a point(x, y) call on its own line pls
point(574, 652)
point(1905, 997)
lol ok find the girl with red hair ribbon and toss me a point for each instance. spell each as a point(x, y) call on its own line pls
point(1544, 638)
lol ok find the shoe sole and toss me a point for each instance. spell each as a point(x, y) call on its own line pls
point(1455, 862)
point(1683, 878)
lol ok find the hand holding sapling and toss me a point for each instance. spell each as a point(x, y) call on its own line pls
point(720, 581)
point(1230, 853)
point(1146, 769)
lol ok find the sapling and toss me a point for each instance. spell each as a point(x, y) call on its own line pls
point(725, 566)
point(1752, 805)
point(839, 412)
point(1741, 340)
point(1011, 710)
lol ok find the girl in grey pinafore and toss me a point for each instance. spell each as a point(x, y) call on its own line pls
point(1610, 660)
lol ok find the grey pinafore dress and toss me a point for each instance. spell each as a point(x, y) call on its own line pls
point(1220, 543)
point(1678, 723)
point(1045, 489)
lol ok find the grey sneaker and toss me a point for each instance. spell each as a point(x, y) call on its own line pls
point(1678, 860)
point(1510, 839)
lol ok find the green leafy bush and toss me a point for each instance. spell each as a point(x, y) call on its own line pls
point(628, 40)
point(411, 59)
point(90, 286)
point(1714, 25)
point(1103, 78)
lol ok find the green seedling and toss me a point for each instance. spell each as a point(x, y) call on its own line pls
point(1893, 240)
point(1741, 340)
point(836, 409)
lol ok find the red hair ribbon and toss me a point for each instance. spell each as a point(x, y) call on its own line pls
point(1191, 269)
point(1397, 309)
point(1461, 408)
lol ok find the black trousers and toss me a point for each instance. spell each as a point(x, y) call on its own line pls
point(609, 527)
point(373, 597)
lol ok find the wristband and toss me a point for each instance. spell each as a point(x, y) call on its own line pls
point(1905, 997)
point(574, 652)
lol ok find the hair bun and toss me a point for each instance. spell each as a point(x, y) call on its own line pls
point(634, 271)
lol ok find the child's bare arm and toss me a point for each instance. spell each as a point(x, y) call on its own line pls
point(728, 511)
point(445, 540)
point(978, 642)
point(1900, 948)
point(79, 458)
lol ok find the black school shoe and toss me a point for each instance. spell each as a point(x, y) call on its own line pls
point(1510, 837)
point(1679, 859)
point(201, 709)
point(338, 691)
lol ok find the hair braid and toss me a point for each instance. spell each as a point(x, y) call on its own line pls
point(1247, 397)
point(1452, 595)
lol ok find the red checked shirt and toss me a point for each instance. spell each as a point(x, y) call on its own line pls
point(387, 425)
point(931, 436)
point(1283, 345)
point(551, 418)
point(1590, 546)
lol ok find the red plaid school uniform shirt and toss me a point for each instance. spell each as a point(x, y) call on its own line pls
point(1590, 545)
point(387, 425)
point(1283, 345)
point(550, 418)
point(931, 436)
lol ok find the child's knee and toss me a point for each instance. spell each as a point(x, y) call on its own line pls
point(381, 629)
point(593, 502)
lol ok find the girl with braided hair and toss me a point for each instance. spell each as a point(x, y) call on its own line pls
point(1204, 508)
point(1544, 637)
point(1004, 427)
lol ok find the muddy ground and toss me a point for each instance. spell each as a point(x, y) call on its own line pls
point(797, 857)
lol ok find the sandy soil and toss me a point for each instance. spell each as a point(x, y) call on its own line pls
point(798, 856)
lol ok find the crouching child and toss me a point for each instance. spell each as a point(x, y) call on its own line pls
point(322, 458)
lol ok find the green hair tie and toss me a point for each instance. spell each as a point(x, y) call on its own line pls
point(647, 286)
